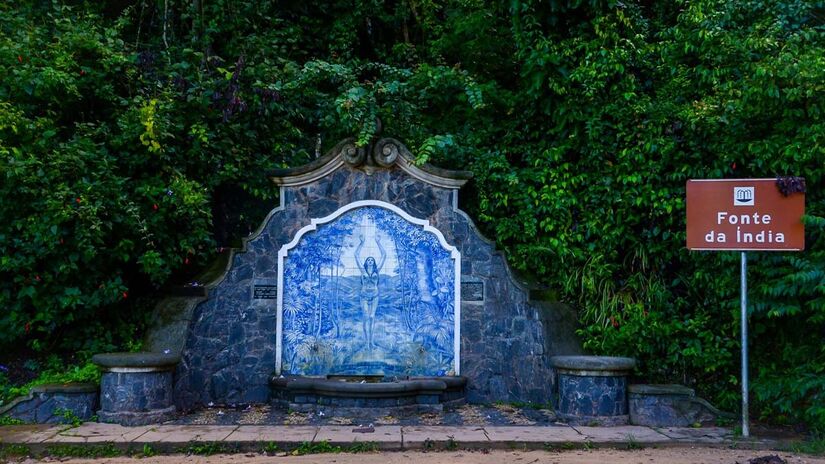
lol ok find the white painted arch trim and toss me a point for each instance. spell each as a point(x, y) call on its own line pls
point(313, 225)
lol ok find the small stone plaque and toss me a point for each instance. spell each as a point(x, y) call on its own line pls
point(265, 292)
point(472, 291)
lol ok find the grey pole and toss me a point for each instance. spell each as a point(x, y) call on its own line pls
point(744, 326)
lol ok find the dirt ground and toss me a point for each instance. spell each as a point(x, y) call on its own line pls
point(601, 456)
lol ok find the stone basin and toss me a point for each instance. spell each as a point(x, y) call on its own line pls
point(410, 394)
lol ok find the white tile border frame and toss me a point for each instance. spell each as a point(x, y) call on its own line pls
point(314, 223)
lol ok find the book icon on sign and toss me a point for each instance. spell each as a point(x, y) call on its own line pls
point(743, 196)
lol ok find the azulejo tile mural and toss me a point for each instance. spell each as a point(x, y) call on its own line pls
point(368, 290)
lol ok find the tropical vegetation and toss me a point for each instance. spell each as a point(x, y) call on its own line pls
point(135, 137)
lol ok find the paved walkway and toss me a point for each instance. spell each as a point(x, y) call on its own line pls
point(170, 438)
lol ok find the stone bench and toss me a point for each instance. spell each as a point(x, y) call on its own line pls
point(54, 404)
point(669, 406)
point(593, 389)
point(136, 388)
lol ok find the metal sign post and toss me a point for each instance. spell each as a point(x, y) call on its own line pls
point(744, 326)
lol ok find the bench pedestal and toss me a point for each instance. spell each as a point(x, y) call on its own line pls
point(136, 388)
point(593, 389)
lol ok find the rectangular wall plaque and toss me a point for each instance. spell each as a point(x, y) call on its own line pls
point(264, 289)
point(265, 292)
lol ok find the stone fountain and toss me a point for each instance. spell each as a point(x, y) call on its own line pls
point(368, 287)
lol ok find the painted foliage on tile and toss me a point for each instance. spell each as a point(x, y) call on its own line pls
point(368, 293)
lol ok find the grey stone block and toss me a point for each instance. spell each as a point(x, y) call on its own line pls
point(668, 406)
point(54, 404)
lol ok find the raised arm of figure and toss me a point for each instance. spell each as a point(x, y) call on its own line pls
point(358, 261)
point(382, 251)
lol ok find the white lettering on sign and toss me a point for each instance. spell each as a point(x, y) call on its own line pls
point(712, 237)
point(748, 237)
point(763, 236)
point(734, 219)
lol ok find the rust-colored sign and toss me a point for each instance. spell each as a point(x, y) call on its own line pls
point(743, 214)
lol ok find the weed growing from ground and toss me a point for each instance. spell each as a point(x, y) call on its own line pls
point(270, 448)
point(363, 447)
point(148, 451)
point(315, 448)
point(428, 444)
point(632, 443)
point(16, 451)
point(814, 445)
point(76, 451)
point(559, 447)
point(451, 445)
point(207, 449)
point(69, 417)
point(8, 420)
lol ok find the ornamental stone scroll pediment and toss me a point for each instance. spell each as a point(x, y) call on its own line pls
point(383, 153)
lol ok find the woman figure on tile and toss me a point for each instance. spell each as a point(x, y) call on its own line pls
point(369, 286)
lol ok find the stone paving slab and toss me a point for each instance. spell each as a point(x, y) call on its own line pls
point(28, 433)
point(187, 433)
point(92, 432)
point(624, 434)
point(295, 434)
point(533, 437)
point(384, 437)
point(439, 437)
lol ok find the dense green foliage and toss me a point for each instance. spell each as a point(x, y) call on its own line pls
point(132, 134)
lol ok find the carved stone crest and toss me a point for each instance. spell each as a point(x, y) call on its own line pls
point(380, 154)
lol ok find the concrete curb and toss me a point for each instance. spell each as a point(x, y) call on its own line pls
point(166, 439)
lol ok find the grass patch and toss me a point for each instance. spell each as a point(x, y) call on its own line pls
point(814, 446)
point(452, 444)
point(69, 417)
point(559, 447)
point(14, 451)
point(53, 372)
point(146, 452)
point(363, 447)
point(76, 451)
point(8, 420)
point(207, 449)
point(320, 447)
point(632, 443)
point(270, 448)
